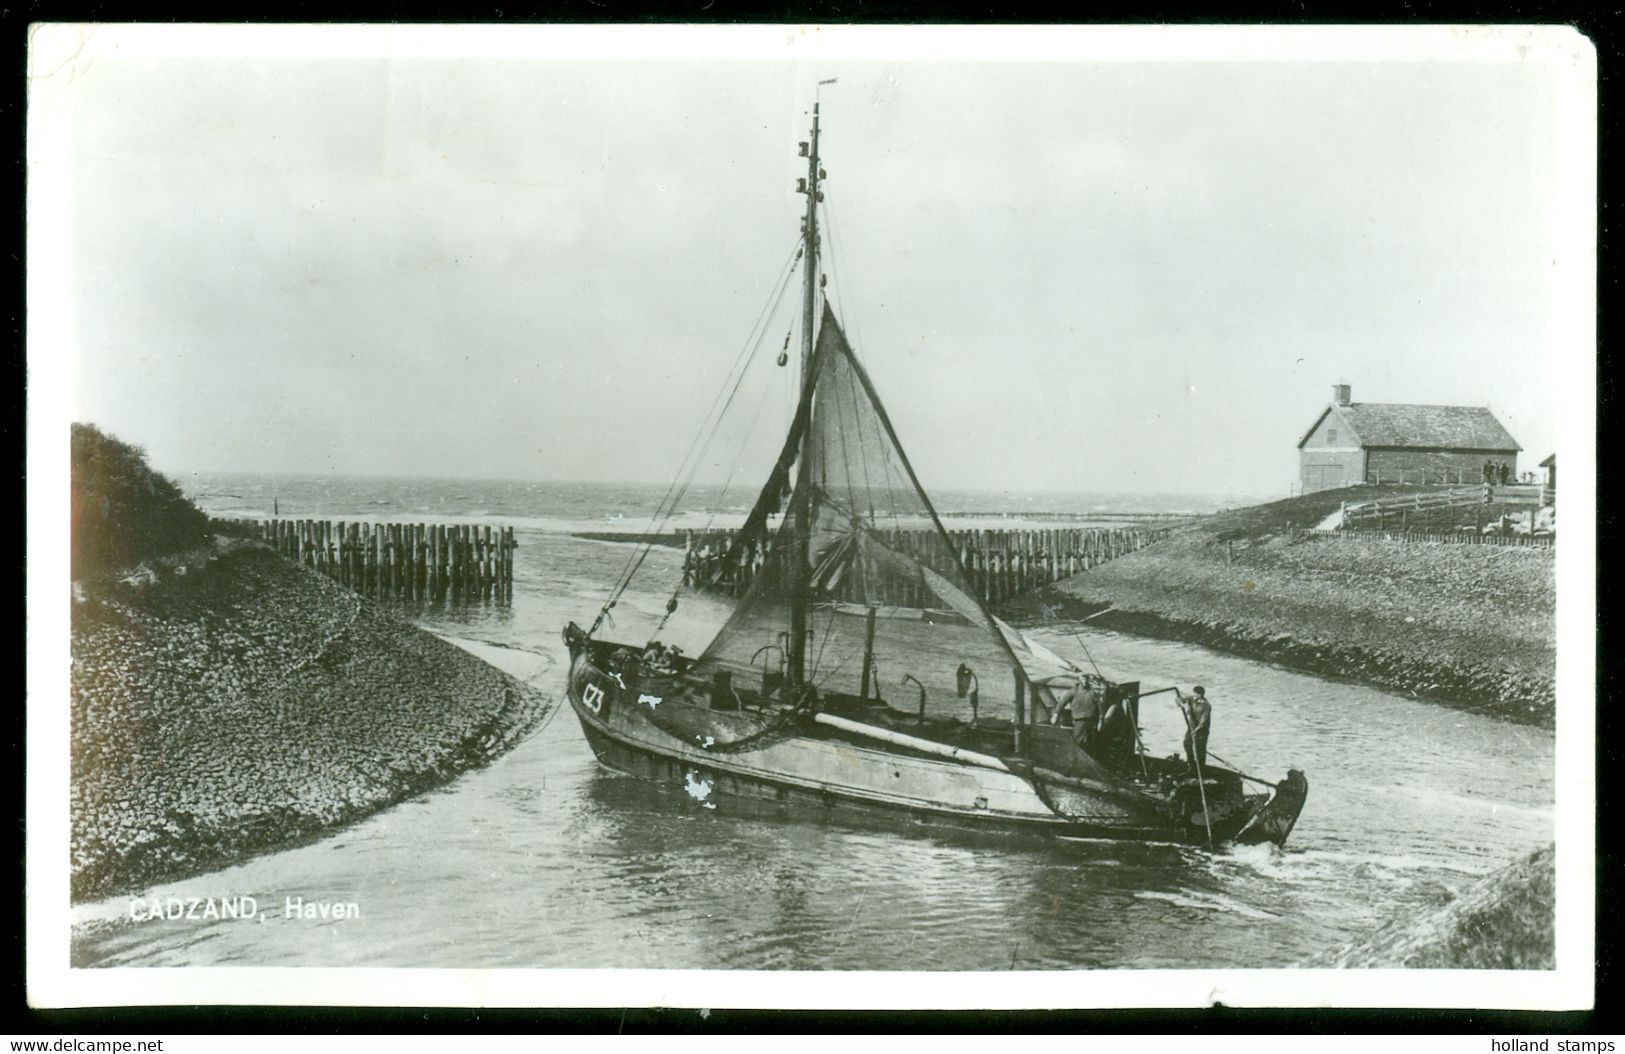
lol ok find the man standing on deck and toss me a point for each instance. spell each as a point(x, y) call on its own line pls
point(1084, 703)
point(1198, 722)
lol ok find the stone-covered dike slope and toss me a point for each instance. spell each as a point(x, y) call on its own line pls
point(233, 703)
point(1471, 626)
point(1504, 921)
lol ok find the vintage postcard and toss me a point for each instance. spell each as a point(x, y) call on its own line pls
point(807, 516)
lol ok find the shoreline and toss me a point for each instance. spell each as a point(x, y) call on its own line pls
point(1467, 627)
point(242, 705)
point(1465, 688)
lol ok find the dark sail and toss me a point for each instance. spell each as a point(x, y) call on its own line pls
point(874, 545)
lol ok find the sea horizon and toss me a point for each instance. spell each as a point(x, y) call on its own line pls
point(626, 504)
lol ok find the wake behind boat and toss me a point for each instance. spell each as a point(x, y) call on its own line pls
point(786, 703)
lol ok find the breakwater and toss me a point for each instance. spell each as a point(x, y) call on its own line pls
point(999, 563)
point(408, 561)
point(248, 705)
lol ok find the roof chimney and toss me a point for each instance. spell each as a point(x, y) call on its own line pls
point(1340, 394)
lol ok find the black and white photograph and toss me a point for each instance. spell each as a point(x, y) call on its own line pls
point(899, 517)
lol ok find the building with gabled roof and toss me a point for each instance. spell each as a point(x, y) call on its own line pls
point(1352, 443)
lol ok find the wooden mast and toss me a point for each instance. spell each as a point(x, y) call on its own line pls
point(800, 558)
point(809, 284)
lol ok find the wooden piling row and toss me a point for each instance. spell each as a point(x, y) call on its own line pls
point(999, 564)
point(1004, 564)
point(407, 561)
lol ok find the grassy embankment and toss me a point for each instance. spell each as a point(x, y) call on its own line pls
point(225, 702)
point(1503, 922)
point(1467, 625)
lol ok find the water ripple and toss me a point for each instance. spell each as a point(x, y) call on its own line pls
point(545, 860)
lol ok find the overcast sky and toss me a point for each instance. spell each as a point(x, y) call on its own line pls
point(1061, 275)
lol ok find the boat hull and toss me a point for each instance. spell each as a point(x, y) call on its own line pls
point(794, 768)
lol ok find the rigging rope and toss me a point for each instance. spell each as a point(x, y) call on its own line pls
point(707, 430)
point(647, 545)
point(863, 462)
point(822, 641)
point(733, 469)
point(706, 422)
point(837, 250)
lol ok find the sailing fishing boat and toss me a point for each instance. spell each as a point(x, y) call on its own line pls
point(785, 705)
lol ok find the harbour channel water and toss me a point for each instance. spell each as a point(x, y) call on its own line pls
point(545, 859)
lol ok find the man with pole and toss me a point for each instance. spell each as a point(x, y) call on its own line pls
point(1198, 722)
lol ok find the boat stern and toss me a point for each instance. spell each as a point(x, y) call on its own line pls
point(1275, 818)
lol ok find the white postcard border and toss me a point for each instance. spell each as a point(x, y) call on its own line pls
point(59, 51)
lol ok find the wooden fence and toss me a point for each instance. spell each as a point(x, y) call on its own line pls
point(408, 561)
point(999, 564)
point(1380, 512)
point(1426, 510)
